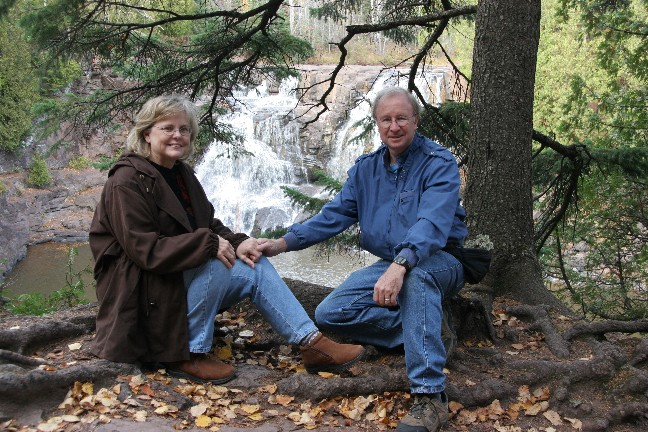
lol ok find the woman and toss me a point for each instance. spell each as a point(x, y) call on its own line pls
point(165, 266)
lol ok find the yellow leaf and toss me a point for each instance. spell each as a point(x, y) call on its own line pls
point(256, 417)
point(250, 409)
point(326, 375)
point(87, 388)
point(203, 421)
point(224, 353)
point(537, 408)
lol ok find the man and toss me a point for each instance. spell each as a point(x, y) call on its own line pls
point(405, 196)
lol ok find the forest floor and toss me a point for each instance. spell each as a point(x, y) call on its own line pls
point(538, 373)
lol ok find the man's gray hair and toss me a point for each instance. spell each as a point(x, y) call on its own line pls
point(393, 91)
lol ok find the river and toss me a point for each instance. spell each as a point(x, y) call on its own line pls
point(46, 266)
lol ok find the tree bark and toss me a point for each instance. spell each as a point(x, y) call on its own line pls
point(498, 191)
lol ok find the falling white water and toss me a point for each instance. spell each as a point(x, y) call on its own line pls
point(245, 187)
point(246, 191)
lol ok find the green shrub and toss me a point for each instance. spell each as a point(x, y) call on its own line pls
point(3, 188)
point(79, 162)
point(38, 174)
point(106, 162)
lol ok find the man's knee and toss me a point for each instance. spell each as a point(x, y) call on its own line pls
point(322, 314)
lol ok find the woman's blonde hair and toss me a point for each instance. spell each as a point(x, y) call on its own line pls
point(157, 109)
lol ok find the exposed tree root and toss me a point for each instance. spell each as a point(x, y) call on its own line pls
point(601, 381)
point(602, 327)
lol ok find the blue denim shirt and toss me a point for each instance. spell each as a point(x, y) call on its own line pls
point(412, 210)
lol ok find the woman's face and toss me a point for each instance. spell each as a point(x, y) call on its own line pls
point(169, 139)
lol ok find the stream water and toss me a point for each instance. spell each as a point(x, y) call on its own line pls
point(51, 262)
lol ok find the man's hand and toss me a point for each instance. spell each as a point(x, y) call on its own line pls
point(248, 251)
point(272, 247)
point(389, 285)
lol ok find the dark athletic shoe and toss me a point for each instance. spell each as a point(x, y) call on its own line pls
point(427, 414)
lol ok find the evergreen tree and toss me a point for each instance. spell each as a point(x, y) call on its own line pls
point(18, 89)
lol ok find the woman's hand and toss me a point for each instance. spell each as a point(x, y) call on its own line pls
point(226, 252)
point(249, 251)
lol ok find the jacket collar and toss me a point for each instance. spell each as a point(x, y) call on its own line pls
point(164, 197)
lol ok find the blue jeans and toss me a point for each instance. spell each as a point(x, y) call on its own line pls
point(212, 287)
point(415, 323)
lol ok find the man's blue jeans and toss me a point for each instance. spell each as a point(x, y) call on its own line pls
point(415, 322)
point(212, 287)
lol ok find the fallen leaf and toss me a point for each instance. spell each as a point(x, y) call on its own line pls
point(271, 388)
point(198, 410)
point(576, 424)
point(455, 407)
point(140, 416)
point(553, 417)
point(250, 409)
point(536, 408)
point(75, 346)
point(203, 421)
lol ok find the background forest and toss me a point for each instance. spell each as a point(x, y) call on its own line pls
point(590, 97)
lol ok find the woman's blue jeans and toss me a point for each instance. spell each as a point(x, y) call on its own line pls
point(212, 287)
point(415, 323)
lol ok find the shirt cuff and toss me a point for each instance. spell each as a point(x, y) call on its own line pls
point(292, 242)
point(409, 255)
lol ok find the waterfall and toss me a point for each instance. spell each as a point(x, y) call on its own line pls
point(245, 190)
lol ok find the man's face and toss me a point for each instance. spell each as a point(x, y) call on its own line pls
point(396, 123)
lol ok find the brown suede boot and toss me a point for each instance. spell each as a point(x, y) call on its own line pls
point(202, 367)
point(323, 355)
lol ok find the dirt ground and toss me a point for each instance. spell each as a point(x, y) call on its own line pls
point(50, 382)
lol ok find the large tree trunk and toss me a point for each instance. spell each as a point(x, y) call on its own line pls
point(498, 195)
